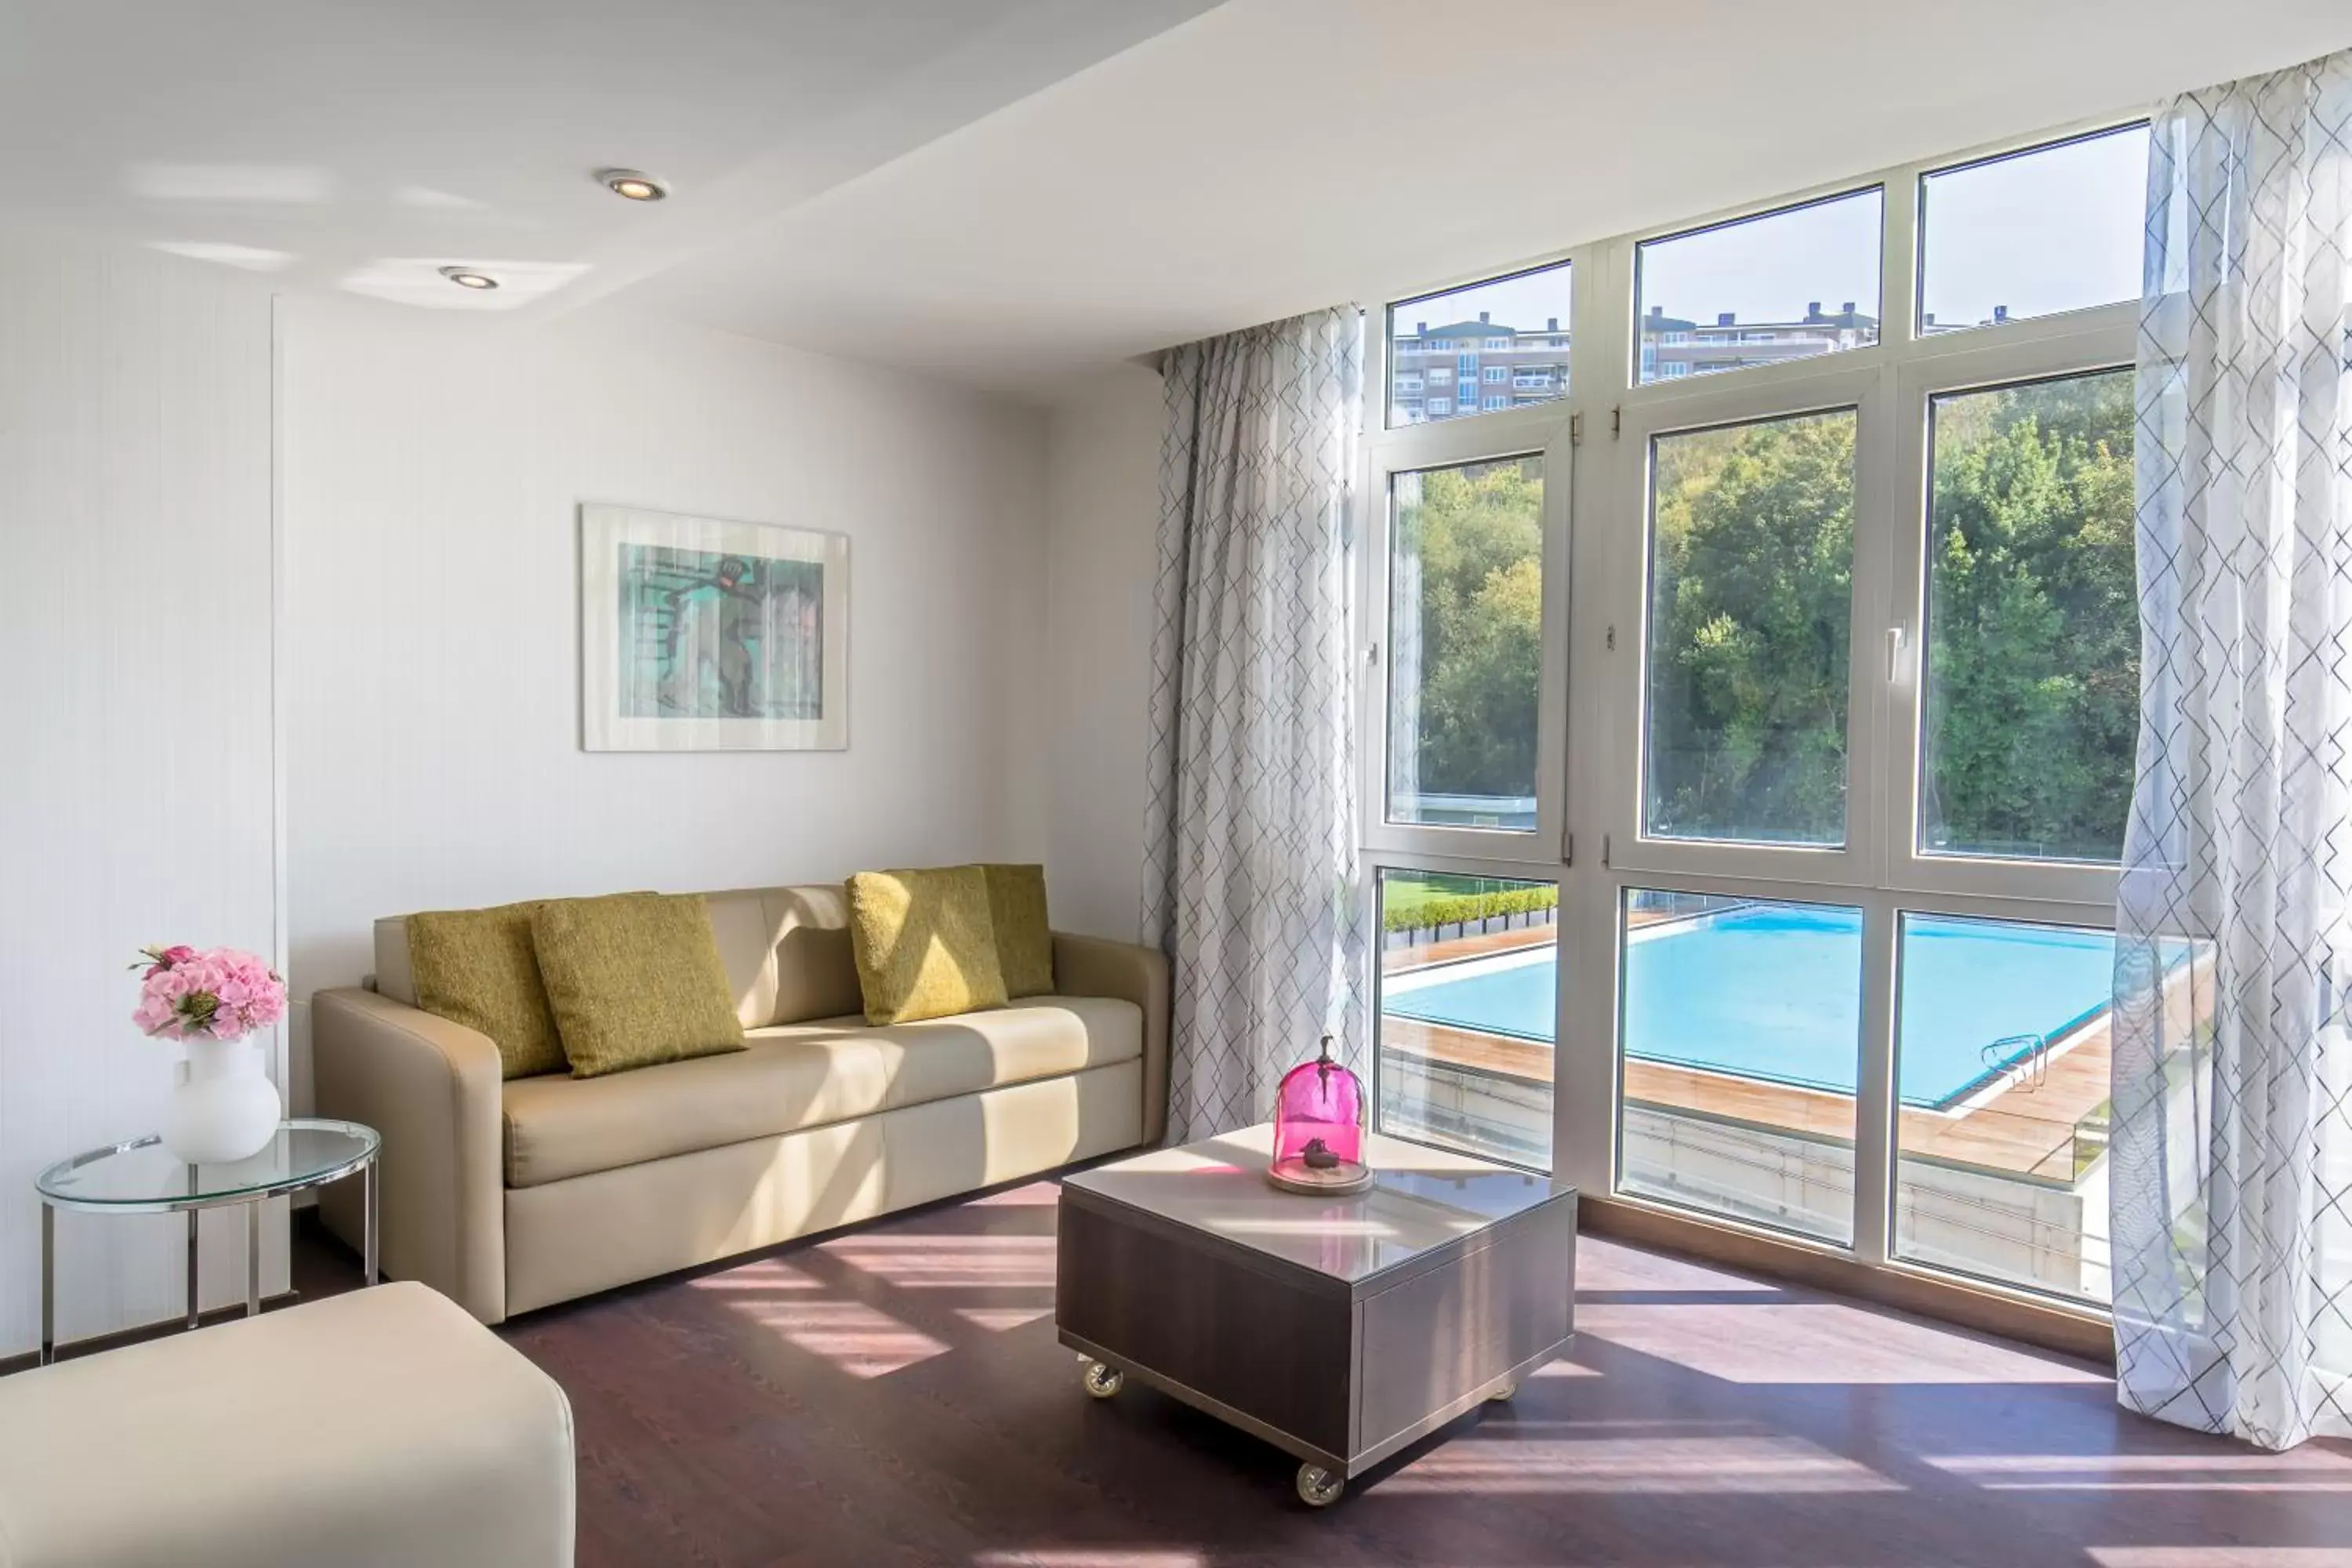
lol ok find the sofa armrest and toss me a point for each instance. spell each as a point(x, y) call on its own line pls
point(1096, 966)
point(432, 1088)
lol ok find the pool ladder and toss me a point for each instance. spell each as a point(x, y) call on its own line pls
point(2024, 1058)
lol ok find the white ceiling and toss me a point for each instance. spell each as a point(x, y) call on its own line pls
point(361, 144)
point(1016, 192)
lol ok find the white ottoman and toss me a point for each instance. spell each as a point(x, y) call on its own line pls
point(385, 1427)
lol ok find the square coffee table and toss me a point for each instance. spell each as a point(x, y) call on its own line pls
point(1337, 1329)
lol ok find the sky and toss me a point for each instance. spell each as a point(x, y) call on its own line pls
point(2055, 230)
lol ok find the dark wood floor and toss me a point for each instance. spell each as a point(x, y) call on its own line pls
point(896, 1395)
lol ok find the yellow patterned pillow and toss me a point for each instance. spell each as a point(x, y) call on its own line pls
point(478, 968)
point(924, 943)
point(1025, 938)
point(634, 980)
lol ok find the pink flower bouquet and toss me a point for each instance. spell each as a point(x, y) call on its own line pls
point(221, 995)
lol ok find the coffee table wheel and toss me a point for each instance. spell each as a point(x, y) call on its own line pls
point(1318, 1487)
point(1103, 1381)
point(1508, 1391)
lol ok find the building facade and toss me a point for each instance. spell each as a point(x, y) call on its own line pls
point(1451, 369)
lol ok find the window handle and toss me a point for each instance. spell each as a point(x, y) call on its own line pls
point(1893, 654)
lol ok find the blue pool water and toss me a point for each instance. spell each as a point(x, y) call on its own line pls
point(1775, 993)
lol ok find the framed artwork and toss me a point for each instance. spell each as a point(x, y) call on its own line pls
point(700, 635)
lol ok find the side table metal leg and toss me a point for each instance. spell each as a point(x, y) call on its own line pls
point(49, 1284)
point(252, 1257)
point(193, 1216)
point(367, 1231)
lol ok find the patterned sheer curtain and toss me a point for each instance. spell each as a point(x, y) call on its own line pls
point(1250, 875)
point(2232, 1138)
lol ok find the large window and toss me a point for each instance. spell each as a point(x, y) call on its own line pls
point(2034, 233)
point(1741, 1041)
point(1523, 318)
point(2032, 664)
point(1468, 988)
point(1737, 295)
point(1751, 573)
point(1777, 889)
point(2002, 1056)
point(1465, 644)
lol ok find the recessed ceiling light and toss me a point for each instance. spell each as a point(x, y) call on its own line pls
point(632, 184)
point(466, 277)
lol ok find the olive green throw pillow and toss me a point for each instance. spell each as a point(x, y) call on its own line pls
point(478, 968)
point(634, 980)
point(1024, 941)
point(924, 943)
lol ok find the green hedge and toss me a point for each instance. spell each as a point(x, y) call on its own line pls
point(1470, 908)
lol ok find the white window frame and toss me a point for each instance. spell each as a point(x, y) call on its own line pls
point(1537, 430)
point(1589, 774)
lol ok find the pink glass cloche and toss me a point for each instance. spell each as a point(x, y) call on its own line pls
point(1318, 1129)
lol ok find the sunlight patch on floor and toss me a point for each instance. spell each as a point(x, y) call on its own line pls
point(1813, 1342)
point(1763, 1464)
point(852, 1336)
point(758, 1278)
point(1565, 1368)
point(2231, 1469)
point(1035, 1195)
point(2218, 1556)
point(950, 1262)
point(1089, 1557)
point(996, 1319)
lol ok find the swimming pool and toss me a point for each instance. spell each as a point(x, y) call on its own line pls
point(1774, 992)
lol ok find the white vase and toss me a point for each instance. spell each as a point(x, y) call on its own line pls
point(223, 1107)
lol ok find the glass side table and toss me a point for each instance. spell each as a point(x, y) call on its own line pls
point(139, 1177)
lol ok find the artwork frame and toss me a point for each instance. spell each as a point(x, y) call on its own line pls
point(700, 634)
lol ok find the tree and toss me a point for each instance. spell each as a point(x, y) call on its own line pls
point(1751, 589)
point(1468, 585)
point(2032, 637)
point(2032, 689)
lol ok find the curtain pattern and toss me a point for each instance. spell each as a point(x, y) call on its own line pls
point(2231, 1159)
point(1250, 876)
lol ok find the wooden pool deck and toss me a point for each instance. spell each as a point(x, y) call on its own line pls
point(2026, 1128)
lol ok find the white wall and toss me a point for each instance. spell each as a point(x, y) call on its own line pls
point(139, 778)
point(432, 472)
point(1102, 509)
point(422, 666)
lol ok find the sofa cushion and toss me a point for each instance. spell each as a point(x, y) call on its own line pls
point(925, 945)
point(478, 968)
point(786, 951)
point(635, 981)
point(796, 1076)
point(1025, 937)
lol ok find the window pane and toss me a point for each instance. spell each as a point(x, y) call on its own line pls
point(1741, 1039)
point(1469, 975)
point(1781, 285)
point(1465, 644)
point(1751, 568)
point(2001, 1058)
point(1501, 344)
point(2032, 234)
point(2030, 705)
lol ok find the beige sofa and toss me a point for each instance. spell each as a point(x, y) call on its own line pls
point(508, 1196)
